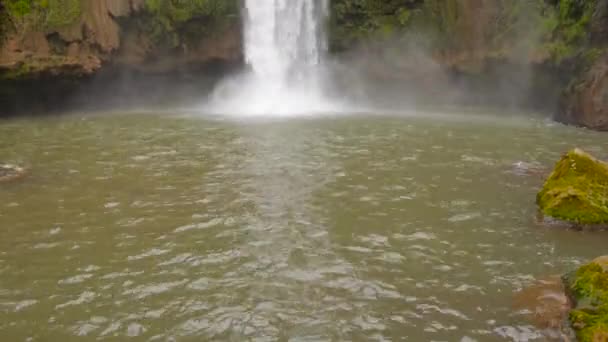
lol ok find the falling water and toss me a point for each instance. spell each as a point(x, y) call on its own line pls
point(285, 45)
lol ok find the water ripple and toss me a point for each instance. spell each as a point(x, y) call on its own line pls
point(308, 230)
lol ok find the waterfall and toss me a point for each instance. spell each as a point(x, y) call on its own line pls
point(285, 45)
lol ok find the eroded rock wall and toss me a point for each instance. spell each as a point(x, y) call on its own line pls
point(54, 53)
point(78, 37)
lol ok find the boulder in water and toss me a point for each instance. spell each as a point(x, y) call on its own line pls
point(10, 172)
point(588, 289)
point(546, 304)
point(577, 190)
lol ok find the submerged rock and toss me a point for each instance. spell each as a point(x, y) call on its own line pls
point(577, 190)
point(588, 289)
point(9, 172)
point(546, 304)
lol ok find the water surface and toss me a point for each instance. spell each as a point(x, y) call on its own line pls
point(164, 227)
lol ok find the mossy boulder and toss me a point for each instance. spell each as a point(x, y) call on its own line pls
point(577, 190)
point(588, 289)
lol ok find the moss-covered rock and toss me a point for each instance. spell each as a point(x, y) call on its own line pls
point(588, 288)
point(577, 190)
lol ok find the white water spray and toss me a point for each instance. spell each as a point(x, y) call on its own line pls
point(285, 45)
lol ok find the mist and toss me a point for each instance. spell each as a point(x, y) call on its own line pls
point(405, 70)
point(408, 68)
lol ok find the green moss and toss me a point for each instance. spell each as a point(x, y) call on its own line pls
point(577, 190)
point(19, 72)
point(557, 30)
point(61, 13)
point(590, 56)
point(589, 289)
point(570, 27)
point(18, 8)
point(44, 14)
point(353, 21)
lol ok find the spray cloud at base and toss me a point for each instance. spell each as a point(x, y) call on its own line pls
point(285, 49)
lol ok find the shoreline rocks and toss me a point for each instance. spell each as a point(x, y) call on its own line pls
point(588, 289)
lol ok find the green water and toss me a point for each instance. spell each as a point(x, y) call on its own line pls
point(191, 228)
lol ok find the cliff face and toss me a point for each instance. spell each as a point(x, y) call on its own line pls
point(525, 53)
point(545, 54)
point(57, 53)
point(79, 36)
point(585, 101)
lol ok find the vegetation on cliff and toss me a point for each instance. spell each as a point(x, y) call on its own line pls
point(569, 27)
point(44, 35)
point(545, 54)
point(168, 22)
point(558, 28)
point(588, 288)
point(577, 190)
point(49, 48)
point(163, 18)
point(43, 14)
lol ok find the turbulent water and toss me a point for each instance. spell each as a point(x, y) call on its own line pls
point(350, 228)
point(284, 47)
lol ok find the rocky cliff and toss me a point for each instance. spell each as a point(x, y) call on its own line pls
point(544, 54)
point(50, 47)
point(547, 54)
point(79, 36)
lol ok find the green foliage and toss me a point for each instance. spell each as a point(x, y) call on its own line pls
point(17, 73)
point(18, 8)
point(570, 25)
point(61, 13)
point(355, 20)
point(166, 18)
point(558, 29)
point(46, 14)
point(441, 23)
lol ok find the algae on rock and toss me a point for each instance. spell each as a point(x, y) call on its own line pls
point(588, 288)
point(577, 190)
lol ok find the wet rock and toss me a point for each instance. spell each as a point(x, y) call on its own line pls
point(585, 103)
point(588, 289)
point(94, 34)
point(546, 304)
point(599, 24)
point(577, 191)
point(9, 172)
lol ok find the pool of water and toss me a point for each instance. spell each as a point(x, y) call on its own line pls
point(363, 227)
